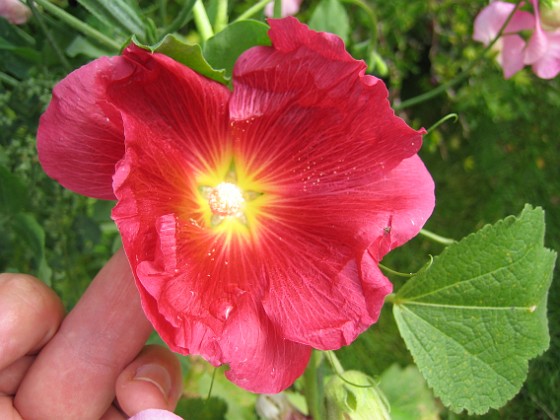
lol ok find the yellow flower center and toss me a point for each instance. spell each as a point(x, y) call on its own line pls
point(226, 199)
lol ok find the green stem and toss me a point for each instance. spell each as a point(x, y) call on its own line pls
point(7, 79)
point(162, 6)
point(461, 76)
point(201, 21)
point(453, 116)
point(221, 20)
point(58, 51)
point(396, 273)
point(277, 9)
point(78, 25)
point(181, 19)
point(372, 17)
point(437, 238)
point(253, 10)
point(313, 382)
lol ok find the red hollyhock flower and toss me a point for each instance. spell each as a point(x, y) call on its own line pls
point(253, 220)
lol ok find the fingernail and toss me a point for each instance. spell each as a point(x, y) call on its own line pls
point(157, 375)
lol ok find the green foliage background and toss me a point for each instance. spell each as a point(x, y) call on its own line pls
point(503, 151)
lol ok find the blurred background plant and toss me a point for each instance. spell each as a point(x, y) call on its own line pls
point(501, 153)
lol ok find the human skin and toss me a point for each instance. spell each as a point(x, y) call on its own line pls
point(90, 364)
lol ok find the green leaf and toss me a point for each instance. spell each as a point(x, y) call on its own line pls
point(188, 54)
point(407, 394)
point(223, 49)
point(116, 13)
point(475, 318)
point(330, 16)
point(212, 408)
point(13, 193)
point(30, 232)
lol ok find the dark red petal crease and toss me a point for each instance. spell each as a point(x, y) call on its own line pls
point(80, 136)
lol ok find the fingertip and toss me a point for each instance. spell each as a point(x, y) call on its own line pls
point(152, 381)
point(31, 313)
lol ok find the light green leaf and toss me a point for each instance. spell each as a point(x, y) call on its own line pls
point(475, 318)
point(188, 54)
point(116, 13)
point(407, 394)
point(223, 49)
point(330, 16)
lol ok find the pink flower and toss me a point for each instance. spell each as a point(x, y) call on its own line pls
point(14, 11)
point(542, 51)
point(289, 8)
point(511, 46)
point(253, 220)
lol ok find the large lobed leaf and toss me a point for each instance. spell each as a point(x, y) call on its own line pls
point(478, 314)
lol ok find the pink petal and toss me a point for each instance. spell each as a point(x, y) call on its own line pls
point(80, 136)
point(289, 8)
point(548, 66)
point(538, 43)
point(14, 11)
point(488, 22)
point(512, 56)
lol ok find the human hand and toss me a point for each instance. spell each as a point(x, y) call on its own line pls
point(91, 364)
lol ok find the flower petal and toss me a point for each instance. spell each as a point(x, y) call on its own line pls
point(548, 66)
point(321, 137)
point(538, 43)
point(80, 136)
point(489, 21)
point(511, 57)
point(261, 360)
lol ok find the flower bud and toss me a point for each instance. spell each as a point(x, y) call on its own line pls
point(550, 14)
point(14, 11)
point(345, 401)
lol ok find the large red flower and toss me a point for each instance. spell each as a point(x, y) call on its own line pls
point(253, 220)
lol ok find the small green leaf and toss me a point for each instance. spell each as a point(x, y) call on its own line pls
point(408, 394)
point(13, 193)
point(330, 16)
point(475, 318)
point(223, 49)
point(116, 13)
point(188, 54)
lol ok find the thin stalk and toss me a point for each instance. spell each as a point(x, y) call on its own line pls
point(8, 80)
point(181, 19)
point(396, 273)
point(78, 25)
point(162, 6)
point(313, 382)
point(221, 20)
point(277, 9)
point(253, 10)
point(201, 21)
point(58, 51)
point(461, 76)
point(437, 238)
point(453, 116)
